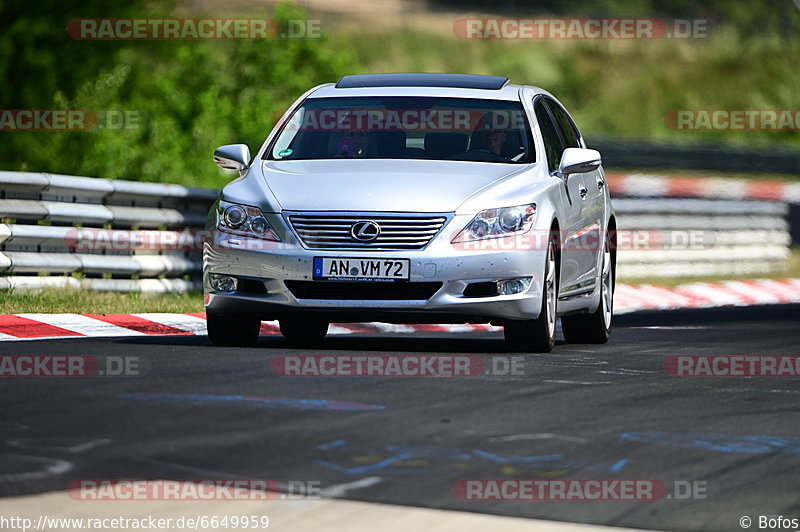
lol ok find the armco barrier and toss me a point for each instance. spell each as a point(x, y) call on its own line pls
point(660, 186)
point(44, 215)
point(47, 215)
point(698, 237)
point(620, 152)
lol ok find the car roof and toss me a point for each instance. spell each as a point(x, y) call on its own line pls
point(421, 85)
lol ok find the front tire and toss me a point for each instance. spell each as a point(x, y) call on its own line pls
point(539, 335)
point(233, 331)
point(303, 330)
point(595, 328)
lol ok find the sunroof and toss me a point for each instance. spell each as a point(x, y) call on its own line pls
point(462, 81)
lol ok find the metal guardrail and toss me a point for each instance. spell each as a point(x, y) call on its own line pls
point(619, 152)
point(718, 188)
point(117, 235)
point(99, 234)
point(699, 237)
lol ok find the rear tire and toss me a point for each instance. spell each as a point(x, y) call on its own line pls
point(303, 330)
point(233, 331)
point(595, 328)
point(538, 336)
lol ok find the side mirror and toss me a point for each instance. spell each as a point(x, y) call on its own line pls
point(232, 157)
point(579, 161)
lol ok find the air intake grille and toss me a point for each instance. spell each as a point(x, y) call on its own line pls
point(330, 231)
point(345, 290)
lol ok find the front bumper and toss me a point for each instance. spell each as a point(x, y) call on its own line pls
point(273, 263)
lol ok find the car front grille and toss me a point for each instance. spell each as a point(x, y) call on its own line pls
point(346, 290)
point(397, 231)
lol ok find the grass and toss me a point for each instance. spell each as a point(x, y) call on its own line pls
point(82, 302)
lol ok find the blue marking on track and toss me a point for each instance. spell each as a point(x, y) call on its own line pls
point(268, 402)
point(725, 443)
point(331, 445)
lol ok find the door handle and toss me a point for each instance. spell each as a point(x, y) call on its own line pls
point(582, 191)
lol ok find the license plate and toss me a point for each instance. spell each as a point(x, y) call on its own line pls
point(355, 269)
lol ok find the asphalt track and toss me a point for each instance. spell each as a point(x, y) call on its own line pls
point(581, 412)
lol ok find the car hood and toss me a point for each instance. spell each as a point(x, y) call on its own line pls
point(379, 185)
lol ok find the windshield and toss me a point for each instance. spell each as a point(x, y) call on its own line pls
point(406, 128)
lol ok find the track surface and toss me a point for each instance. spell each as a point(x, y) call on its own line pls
point(575, 403)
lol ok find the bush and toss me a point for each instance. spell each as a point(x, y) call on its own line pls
point(192, 95)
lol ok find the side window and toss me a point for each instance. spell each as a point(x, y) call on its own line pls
point(565, 126)
point(552, 142)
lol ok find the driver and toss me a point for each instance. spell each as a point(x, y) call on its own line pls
point(355, 144)
point(354, 141)
point(488, 137)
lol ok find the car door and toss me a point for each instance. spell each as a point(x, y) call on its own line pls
point(571, 218)
point(586, 236)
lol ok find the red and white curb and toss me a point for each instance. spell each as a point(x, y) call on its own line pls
point(628, 298)
point(38, 326)
point(649, 185)
point(634, 298)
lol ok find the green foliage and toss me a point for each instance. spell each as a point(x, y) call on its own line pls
point(620, 88)
point(191, 96)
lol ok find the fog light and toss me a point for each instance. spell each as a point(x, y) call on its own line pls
point(513, 286)
point(222, 283)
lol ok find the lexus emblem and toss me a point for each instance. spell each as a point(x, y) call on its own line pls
point(365, 231)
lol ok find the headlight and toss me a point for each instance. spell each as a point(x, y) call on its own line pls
point(244, 220)
point(259, 225)
point(234, 216)
point(495, 223)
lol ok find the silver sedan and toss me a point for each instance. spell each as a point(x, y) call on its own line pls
point(414, 198)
